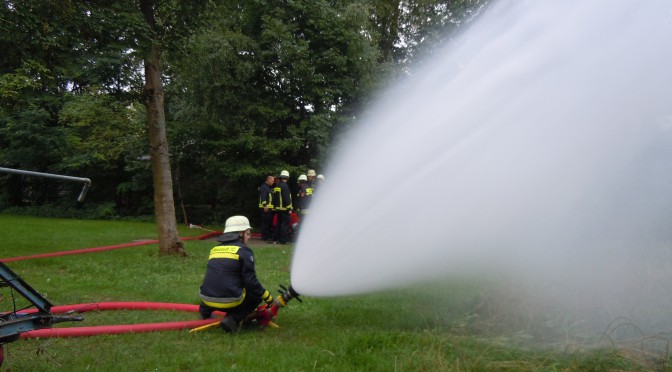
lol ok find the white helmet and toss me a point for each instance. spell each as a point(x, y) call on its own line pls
point(311, 173)
point(236, 224)
point(284, 174)
point(302, 178)
point(320, 177)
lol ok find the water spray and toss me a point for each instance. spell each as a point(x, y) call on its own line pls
point(534, 148)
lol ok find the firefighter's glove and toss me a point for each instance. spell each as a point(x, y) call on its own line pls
point(268, 299)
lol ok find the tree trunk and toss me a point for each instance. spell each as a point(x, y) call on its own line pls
point(164, 207)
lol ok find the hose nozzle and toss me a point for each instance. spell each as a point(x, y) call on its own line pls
point(288, 293)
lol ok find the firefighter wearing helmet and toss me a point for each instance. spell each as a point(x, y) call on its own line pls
point(301, 185)
point(282, 201)
point(306, 194)
point(311, 176)
point(230, 283)
point(319, 181)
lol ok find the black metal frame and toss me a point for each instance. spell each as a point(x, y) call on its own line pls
point(12, 324)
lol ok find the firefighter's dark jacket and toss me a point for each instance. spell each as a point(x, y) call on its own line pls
point(307, 191)
point(282, 197)
point(265, 196)
point(231, 276)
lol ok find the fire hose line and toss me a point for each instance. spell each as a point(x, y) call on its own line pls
point(115, 329)
point(124, 305)
point(123, 328)
point(99, 249)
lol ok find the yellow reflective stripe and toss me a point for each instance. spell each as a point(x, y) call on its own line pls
point(220, 305)
point(278, 205)
point(225, 251)
point(224, 255)
point(265, 296)
point(309, 191)
point(267, 203)
point(217, 305)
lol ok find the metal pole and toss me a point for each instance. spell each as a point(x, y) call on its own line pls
point(87, 182)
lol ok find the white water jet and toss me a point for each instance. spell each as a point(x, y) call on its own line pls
point(536, 146)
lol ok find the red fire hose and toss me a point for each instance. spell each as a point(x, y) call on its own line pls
point(114, 329)
point(117, 329)
point(106, 248)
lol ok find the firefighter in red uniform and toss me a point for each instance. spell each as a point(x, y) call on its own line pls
point(230, 282)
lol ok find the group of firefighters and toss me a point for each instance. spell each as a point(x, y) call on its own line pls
point(280, 210)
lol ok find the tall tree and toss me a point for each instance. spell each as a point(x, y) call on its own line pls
point(170, 23)
point(164, 205)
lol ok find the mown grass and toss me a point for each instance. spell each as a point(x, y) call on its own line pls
point(411, 329)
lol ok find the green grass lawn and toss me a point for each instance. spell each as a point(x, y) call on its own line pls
point(411, 329)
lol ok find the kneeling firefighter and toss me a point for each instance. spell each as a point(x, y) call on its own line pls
point(231, 283)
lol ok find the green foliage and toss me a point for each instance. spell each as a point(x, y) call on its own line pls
point(264, 88)
point(22, 79)
point(252, 87)
point(69, 208)
point(66, 86)
point(103, 132)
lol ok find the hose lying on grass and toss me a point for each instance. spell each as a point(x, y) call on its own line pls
point(114, 329)
point(117, 329)
point(99, 249)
